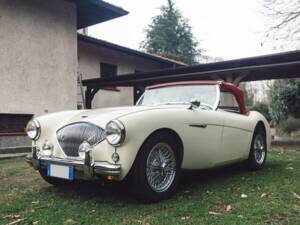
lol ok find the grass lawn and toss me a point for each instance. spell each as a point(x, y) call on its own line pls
point(229, 195)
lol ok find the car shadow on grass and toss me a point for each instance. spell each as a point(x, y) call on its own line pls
point(224, 173)
point(191, 181)
point(219, 174)
point(88, 190)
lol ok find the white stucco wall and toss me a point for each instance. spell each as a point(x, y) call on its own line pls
point(38, 56)
point(90, 57)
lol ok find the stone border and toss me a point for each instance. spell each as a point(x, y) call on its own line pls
point(13, 150)
point(13, 155)
point(285, 143)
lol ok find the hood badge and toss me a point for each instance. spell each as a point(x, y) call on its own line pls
point(84, 116)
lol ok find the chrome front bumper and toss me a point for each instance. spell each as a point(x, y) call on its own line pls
point(87, 167)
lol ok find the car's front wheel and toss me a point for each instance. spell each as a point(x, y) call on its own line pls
point(157, 168)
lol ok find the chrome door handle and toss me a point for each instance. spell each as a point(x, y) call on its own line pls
point(198, 125)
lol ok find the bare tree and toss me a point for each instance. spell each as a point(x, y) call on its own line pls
point(284, 20)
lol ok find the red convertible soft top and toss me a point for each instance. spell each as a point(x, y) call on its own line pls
point(239, 95)
point(236, 91)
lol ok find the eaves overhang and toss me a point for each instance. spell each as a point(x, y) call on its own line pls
point(168, 63)
point(91, 12)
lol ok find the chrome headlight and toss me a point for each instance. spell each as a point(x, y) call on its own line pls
point(33, 129)
point(115, 132)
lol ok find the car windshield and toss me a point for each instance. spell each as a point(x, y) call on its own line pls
point(206, 94)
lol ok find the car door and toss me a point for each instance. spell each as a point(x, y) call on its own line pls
point(236, 136)
point(202, 139)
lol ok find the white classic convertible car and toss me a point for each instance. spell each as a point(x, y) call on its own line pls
point(173, 126)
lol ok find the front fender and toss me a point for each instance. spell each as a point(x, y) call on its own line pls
point(139, 127)
point(258, 117)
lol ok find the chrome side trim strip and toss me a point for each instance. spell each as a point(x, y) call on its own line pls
point(239, 128)
point(205, 125)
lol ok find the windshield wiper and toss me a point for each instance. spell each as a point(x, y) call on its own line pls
point(173, 103)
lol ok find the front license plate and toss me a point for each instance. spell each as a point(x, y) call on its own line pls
point(60, 171)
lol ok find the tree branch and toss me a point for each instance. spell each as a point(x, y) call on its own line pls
point(286, 20)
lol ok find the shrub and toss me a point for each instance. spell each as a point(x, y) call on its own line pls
point(290, 125)
point(285, 99)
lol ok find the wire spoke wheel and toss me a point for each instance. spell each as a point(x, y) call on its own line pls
point(161, 167)
point(259, 149)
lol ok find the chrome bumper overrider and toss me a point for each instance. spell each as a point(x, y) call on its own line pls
point(87, 166)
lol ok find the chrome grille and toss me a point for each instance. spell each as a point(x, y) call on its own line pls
point(72, 135)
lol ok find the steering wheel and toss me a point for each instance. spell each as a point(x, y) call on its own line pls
point(206, 106)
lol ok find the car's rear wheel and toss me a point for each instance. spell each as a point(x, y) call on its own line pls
point(156, 170)
point(53, 180)
point(258, 152)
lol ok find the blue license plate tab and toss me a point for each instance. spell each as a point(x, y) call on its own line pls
point(60, 171)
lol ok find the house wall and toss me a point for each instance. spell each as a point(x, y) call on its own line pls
point(38, 56)
point(89, 59)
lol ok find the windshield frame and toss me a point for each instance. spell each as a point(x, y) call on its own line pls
point(214, 107)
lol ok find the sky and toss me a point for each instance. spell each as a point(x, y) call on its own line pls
point(227, 29)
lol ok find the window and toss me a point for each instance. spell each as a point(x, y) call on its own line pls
point(228, 102)
point(13, 123)
point(108, 70)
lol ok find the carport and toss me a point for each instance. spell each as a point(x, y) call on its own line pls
point(275, 66)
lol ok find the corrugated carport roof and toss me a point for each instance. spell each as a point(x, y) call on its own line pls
point(90, 12)
point(274, 66)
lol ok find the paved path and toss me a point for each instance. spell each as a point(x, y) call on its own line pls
point(13, 155)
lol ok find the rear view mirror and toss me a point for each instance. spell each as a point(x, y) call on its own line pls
point(195, 103)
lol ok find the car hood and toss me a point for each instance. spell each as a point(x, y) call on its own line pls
point(102, 116)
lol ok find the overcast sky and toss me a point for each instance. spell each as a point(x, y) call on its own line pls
point(227, 29)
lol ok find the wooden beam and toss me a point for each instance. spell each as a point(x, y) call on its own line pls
point(262, 72)
point(88, 98)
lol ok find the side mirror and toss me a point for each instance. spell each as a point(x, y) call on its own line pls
point(195, 103)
